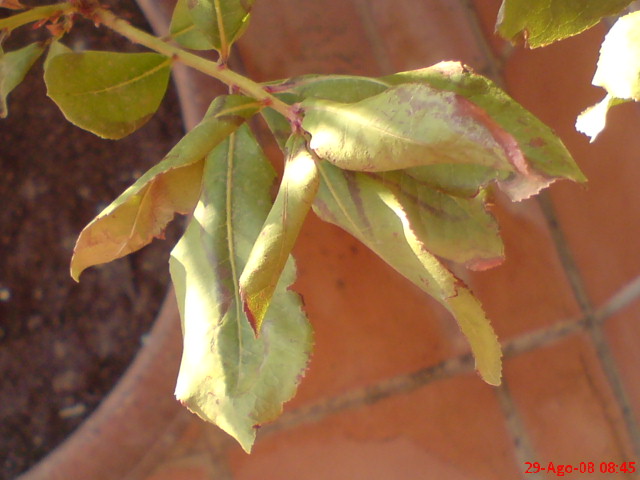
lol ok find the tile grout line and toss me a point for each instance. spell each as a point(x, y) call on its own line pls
point(461, 364)
point(593, 323)
point(524, 450)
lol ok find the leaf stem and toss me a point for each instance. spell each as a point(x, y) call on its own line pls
point(35, 14)
point(216, 70)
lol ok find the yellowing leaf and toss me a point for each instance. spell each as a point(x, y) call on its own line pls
point(537, 155)
point(280, 231)
point(184, 31)
point(171, 186)
point(405, 126)
point(221, 21)
point(227, 375)
point(618, 73)
point(109, 94)
point(13, 68)
point(382, 219)
point(541, 22)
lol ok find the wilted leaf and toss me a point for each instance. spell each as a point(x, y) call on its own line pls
point(221, 21)
point(280, 231)
point(537, 155)
point(618, 73)
point(184, 31)
point(385, 221)
point(227, 375)
point(541, 22)
point(406, 126)
point(171, 186)
point(109, 94)
point(13, 68)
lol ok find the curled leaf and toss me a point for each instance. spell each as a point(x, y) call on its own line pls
point(280, 231)
point(107, 93)
point(13, 68)
point(228, 376)
point(171, 186)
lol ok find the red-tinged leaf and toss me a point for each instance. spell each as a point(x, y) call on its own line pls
point(538, 156)
point(172, 186)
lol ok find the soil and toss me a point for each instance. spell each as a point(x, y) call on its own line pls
point(64, 345)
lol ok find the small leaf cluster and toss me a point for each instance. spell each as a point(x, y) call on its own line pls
point(405, 163)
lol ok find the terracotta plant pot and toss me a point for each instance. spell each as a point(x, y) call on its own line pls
point(391, 391)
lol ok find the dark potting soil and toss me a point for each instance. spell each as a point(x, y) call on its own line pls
point(64, 345)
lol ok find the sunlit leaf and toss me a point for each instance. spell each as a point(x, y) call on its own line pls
point(221, 21)
point(280, 230)
point(171, 186)
point(541, 22)
point(229, 376)
point(406, 126)
point(338, 88)
point(110, 94)
point(383, 220)
point(13, 68)
point(184, 31)
point(618, 73)
point(452, 227)
point(537, 155)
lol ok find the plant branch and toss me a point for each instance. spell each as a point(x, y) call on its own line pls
point(216, 70)
point(35, 14)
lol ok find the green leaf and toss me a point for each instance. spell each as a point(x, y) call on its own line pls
point(537, 155)
point(184, 31)
point(455, 228)
point(227, 375)
point(409, 125)
point(221, 21)
point(280, 231)
point(386, 221)
point(541, 22)
point(171, 186)
point(338, 88)
point(109, 94)
point(618, 72)
point(13, 68)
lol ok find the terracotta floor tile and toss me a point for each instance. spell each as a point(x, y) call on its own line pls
point(452, 429)
point(359, 337)
point(529, 291)
point(567, 406)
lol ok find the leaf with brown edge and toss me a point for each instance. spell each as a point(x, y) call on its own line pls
point(536, 155)
point(271, 250)
point(379, 217)
point(171, 186)
point(229, 376)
